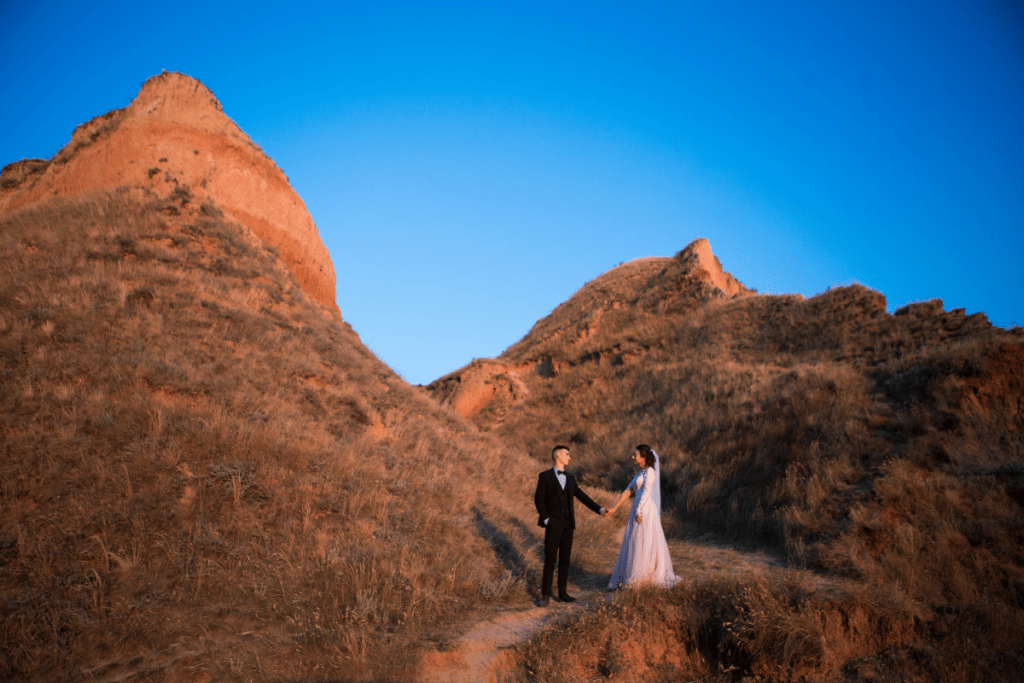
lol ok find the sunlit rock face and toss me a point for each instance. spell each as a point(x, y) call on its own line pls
point(175, 136)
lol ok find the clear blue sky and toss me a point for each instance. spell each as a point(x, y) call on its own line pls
point(470, 166)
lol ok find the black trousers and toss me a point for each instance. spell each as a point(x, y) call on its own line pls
point(557, 545)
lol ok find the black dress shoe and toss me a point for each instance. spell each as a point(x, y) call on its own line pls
point(544, 600)
point(565, 597)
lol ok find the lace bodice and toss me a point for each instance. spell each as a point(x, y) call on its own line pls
point(643, 489)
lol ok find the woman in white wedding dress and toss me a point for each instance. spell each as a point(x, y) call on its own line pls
point(643, 556)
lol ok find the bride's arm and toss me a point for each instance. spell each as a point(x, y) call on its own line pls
point(647, 497)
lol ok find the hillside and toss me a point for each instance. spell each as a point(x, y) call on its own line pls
point(175, 135)
point(883, 449)
point(206, 475)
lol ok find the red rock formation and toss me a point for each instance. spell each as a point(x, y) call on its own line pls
point(482, 382)
point(176, 134)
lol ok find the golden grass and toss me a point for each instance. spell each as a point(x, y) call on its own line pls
point(206, 475)
point(888, 449)
point(782, 626)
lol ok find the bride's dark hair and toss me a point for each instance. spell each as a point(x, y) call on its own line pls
point(648, 454)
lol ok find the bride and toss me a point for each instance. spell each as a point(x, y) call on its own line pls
point(643, 556)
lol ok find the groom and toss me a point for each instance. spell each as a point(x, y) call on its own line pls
point(556, 490)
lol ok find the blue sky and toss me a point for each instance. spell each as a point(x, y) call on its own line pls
point(469, 166)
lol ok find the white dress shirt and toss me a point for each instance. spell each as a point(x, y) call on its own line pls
point(560, 475)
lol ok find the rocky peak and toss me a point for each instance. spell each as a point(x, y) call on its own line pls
point(175, 134)
point(692, 277)
point(697, 255)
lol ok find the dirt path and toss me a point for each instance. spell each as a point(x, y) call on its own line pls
point(478, 655)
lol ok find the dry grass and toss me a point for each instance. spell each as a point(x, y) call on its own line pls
point(888, 449)
point(207, 475)
point(784, 626)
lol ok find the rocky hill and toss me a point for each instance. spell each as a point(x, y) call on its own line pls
point(173, 136)
point(576, 332)
point(205, 474)
point(884, 449)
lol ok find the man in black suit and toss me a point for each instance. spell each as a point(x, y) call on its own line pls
point(556, 491)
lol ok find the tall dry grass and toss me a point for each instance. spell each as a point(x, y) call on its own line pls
point(777, 627)
point(785, 626)
point(886, 449)
point(206, 475)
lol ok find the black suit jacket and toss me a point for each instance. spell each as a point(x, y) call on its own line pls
point(548, 498)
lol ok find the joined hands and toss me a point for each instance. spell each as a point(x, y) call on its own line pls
point(609, 513)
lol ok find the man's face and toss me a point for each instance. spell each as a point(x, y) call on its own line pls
point(561, 459)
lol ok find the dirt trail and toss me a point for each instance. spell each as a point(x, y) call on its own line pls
point(478, 655)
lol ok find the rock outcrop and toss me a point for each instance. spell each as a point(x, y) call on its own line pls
point(655, 284)
point(482, 383)
point(588, 328)
point(175, 134)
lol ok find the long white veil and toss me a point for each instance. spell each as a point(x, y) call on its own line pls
point(657, 480)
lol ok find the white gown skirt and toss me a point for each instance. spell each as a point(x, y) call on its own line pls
point(643, 556)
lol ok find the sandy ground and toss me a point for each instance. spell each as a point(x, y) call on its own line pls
point(478, 655)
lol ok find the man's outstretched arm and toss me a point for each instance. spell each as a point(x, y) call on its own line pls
point(586, 500)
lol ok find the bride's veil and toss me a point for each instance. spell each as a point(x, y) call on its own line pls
point(657, 480)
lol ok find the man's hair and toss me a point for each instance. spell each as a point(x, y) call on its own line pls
point(648, 454)
point(554, 451)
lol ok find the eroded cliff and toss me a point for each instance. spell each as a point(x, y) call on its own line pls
point(175, 134)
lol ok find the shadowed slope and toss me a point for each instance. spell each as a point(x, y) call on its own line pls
point(205, 476)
